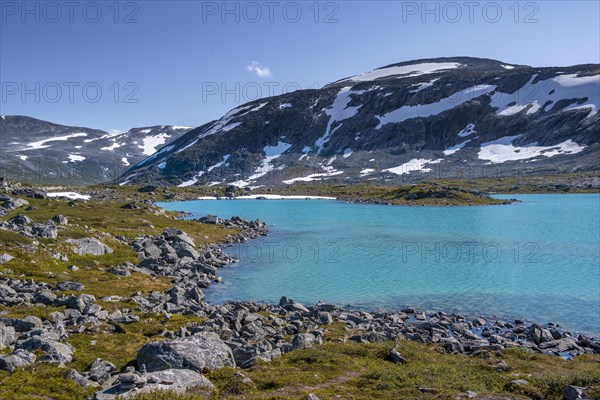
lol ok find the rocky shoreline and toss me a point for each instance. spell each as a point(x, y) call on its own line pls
point(236, 334)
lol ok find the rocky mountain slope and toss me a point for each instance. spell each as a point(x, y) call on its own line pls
point(447, 117)
point(42, 152)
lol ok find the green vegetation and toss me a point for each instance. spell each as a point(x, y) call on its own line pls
point(350, 370)
point(426, 194)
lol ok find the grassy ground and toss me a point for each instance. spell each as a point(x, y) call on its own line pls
point(352, 371)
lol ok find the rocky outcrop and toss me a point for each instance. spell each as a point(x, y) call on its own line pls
point(173, 380)
point(205, 351)
point(89, 246)
point(396, 125)
point(84, 156)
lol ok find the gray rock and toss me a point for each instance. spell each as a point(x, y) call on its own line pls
point(100, 370)
point(80, 379)
point(305, 341)
point(45, 297)
point(19, 359)
point(6, 291)
point(177, 235)
point(70, 286)
point(20, 219)
point(60, 220)
point(312, 396)
point(539, 334)
point(23, 325)
point(11, 204)
point(56, 352)
point(46, 231)
point(211, 219)
point(89, 246)
point(173, 380)
point(205, 351)
point(5, 257)
point(186, 250)
point(7, 335)
point(395, 357)
point(325, 317)
point(296, 307)
point(573, 392)
point(78, 303)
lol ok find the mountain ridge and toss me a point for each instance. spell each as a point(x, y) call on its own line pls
point(39, 151)
point(395, 123)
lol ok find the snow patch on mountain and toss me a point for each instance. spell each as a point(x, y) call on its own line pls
point(423, 86)
point(468, 131)
point(338, 111)
point(366, 171)
point(404, 70)
point(498, 152)
point(414, 165)
point(329, 171)
point(427, 110)
point(455, 148)
point(219, 164)
point(271, 153)
point(150, 143)
point(75, 157)
point(42, 143)
point(583, 92)
point(112, 147)
point(223, 124)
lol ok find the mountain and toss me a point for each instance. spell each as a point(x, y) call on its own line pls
point(42, 152)
point(443, 117)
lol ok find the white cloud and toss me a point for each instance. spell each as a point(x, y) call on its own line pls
point(260, 70)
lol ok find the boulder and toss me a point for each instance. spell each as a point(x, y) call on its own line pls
point(20, 219)
point(177, 235)
point(79, 303)
point(6, 292)
point(19, 359)
point(5, 257)
point(147, 189)
point(7, 335)
point(46, 231)
point(23, 325)
point(71, 286)
point(89, 246)
point(395, 357)
point(573, 392)
point(211, 219)
point(305, 341)
point(45, 297)
point(11, 204)
point(173, 380)
point(100, 370)
point(60, 220)
point(204, 351)
point(56, 352)
point(31, 193)
point(539, 334)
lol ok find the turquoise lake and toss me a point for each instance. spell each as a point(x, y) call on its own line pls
point(537, 260)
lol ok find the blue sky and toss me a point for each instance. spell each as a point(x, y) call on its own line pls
point(115, 66)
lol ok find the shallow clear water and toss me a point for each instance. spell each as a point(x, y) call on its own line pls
point(537, 260)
